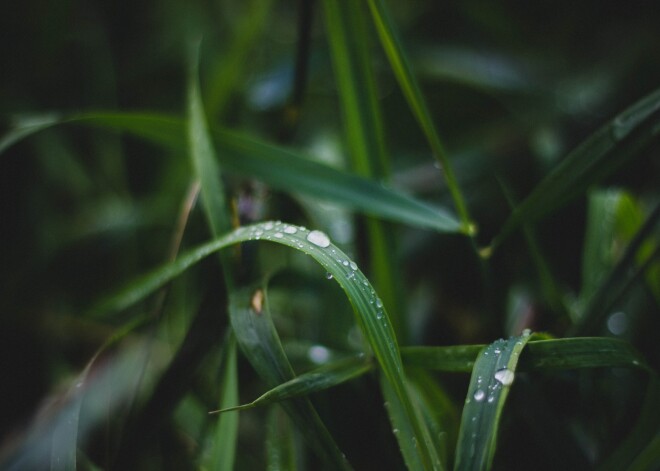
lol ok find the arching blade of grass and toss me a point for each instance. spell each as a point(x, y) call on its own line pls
point(411, 90)
point(324, 377)
point(539, 355)
point(603, 152)
point(491, 379)
point(279, 167)
point(369, 310)
point(256, 335)
point(363, 128)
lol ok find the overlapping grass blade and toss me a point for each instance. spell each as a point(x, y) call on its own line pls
point(363, 128)
point(282, 168)
point(369, 310)
point(411, 90)
point(280, 442)
point(491, 379)
point(324, 377)
point(256, 335)
point(603, 152)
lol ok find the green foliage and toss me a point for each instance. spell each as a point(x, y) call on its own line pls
point(477, 286)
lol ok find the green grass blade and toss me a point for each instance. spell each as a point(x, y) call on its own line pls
point(203, 156)
point(25, 126)
point(369, 310)
point(324, 377)
point(603, 152)
point(491, 379)
point(279, 167)
point(223, 451)
point(363, 128)
point(539, 355)
point(280, 442)
point(411, 90)
point(260, 343)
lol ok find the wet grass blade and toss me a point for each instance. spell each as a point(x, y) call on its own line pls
point(319, 379)
point(368, 307)
point(281, 168)
point(492, 376)
point(539, 355)
point(411, 90)
point(602, 153)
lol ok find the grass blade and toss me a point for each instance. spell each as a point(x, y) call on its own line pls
point(280, 442)
point(403, 72)
point(279, 167)
point(321, 378)
point(259, 341)
point(369, 310)
point(602, 153)
point(492, 376)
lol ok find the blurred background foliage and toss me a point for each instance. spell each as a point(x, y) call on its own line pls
point(512, 86)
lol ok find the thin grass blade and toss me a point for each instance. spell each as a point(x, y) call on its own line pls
point(319, 379)
point(492, 376)
point(603, 152)
point(280, 442)
point(411, 90)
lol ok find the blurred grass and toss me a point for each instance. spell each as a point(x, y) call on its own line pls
point(544, 122)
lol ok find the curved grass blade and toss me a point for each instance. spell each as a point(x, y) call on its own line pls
point(403, 72)
point(324, 377)
point(492, 376)
point(539, 355)
point(369, 310)
point(256, 335)
point(602, 153)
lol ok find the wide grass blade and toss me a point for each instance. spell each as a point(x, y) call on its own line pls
point(279, 167)
point(319, 379)
point(256, 335)
point(411, 90)
point(368, 307)
point(492, 376)
point(603, 152)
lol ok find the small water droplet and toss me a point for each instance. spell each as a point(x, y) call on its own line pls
point(379, 303)
point(527, 332)
point(479, 395)
point(379, 314)
point(491, 398)
point(279, 235)
point(318, 238)
point(504, 376)
point(268, 226)
point(290, 229)
point(353, 265)
point(328, 275)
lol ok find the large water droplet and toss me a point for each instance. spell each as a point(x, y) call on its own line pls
point(318, 238)
point(479, 395)
point(353, 265)
point(505, 377)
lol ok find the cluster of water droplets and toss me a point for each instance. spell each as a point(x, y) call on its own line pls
point(310, 241)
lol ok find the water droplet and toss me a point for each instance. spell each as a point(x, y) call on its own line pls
point(345, 263)
point(617, 323)
point(379, 314)
point(353, 265)
point(505, 376)
point(479, 395)
point(491, 398)
point(318, 238)
point(268, 226)
point(318, 354)
point(290, 229)
point(379, 303)
point(279, 235)
point(527, 332)
point(328, 275)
